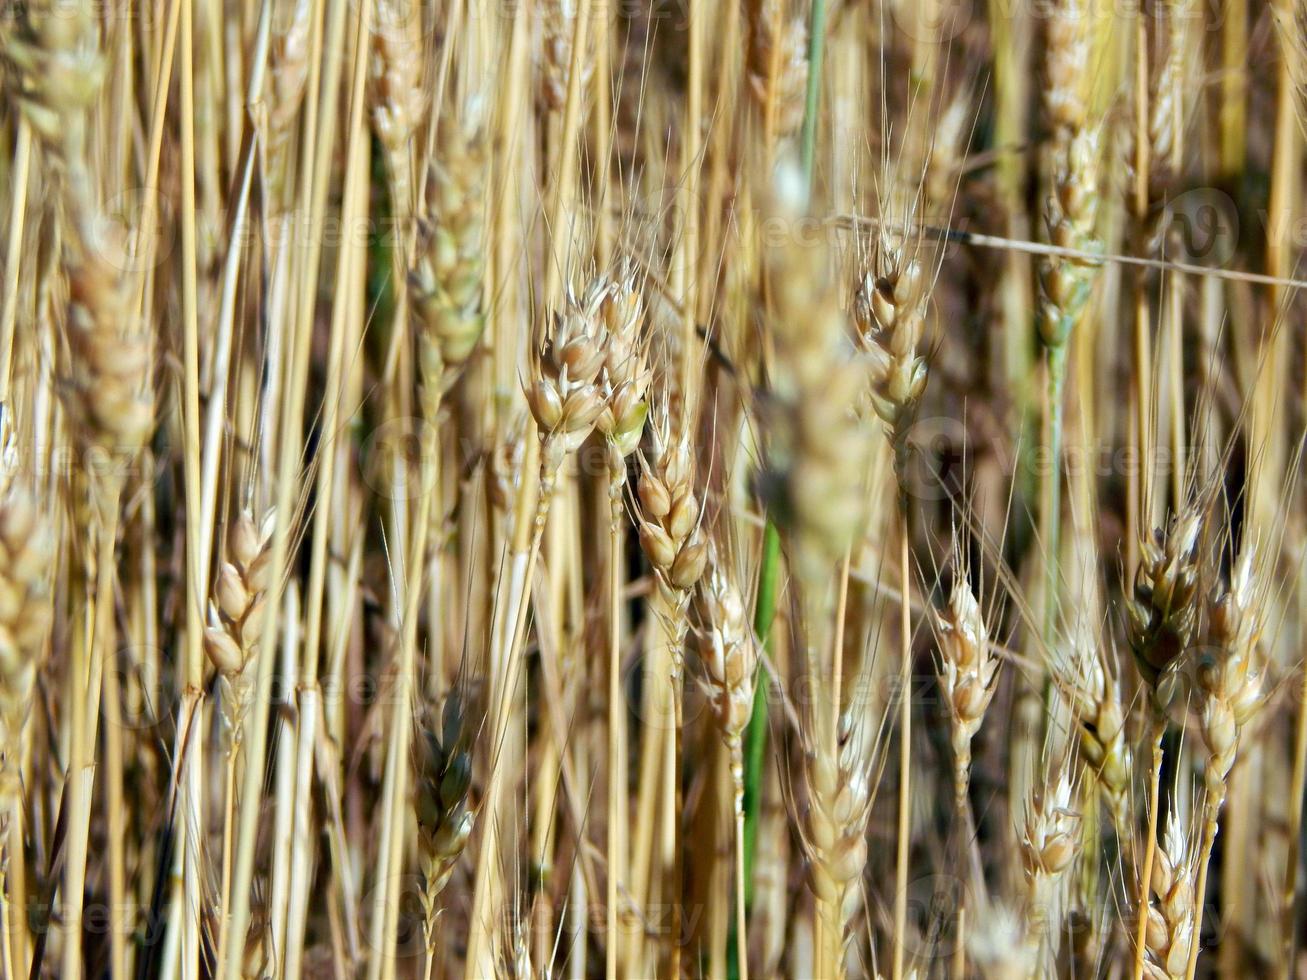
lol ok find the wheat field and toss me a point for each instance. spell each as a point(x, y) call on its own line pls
point(653, 488)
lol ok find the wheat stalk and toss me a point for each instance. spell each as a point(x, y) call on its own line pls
point(623, 384)
point(301, 402)
point(730, 659)
point(1161, 618)
point(1229, 678)
point(231, 641)
point(889, 310)
point(1070, 216)
point(668, 523)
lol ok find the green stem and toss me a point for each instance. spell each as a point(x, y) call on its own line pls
point(1053, 492)
point(816, 39)
point(1051, 516)
point(764, 612)
point(755, 736)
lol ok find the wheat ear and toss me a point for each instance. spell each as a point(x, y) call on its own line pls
point(776, 66)
point(1162, 611)
point(968, 670)
point(1050, 841)
point(26, 556)
point(398, 100)
point(446, 281)
point(558, 28)
point(668, 524)
point(1094, 692)
point(1161, 614)
point(444, 813)
point(623, 384)
point(889, 310)
point(1229, 678)
point(563, 391)
point(231, 641)
point(839, 795)
point(288, 78)
point(730, 659)
point(997, 944)
point(1170, 920)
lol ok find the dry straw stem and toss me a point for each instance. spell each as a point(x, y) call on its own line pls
point(816, 453)
point(1161, 615)
point(730, 658)
point(296, 304)
point(295, 794)
point(106, 389)
point(668, 520)
point(231, 641)
point(563, 390)
point(529, 526)
point(624, 381)
point(266, 375)
point(889, 311)
point(1290, 17)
